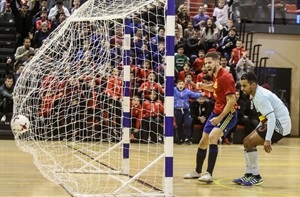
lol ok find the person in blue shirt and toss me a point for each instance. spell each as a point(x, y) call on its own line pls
point(182, 111)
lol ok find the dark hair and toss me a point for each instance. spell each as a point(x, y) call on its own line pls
point(250, 77)
point(8, 77)
point(180, 46)
point(206, 77)
point(213, 55)
point(59, 2)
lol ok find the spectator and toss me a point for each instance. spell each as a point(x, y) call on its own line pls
point(193, 44)
point(188, 31)
point(136, 117)
point(228, 43)
point(186, 70)
point(76, 5)
point(182, 111)
point(183, 16)
point(225, 30)
point(23, 52)
point(56, 23)
point(180, 59)
point(237, 52)
point(57, 10)
point(200, 111)
point(153, 111)
point(158, 38)
point(6, 98)
point(150, 85)
point(2, 7)
point(199, 62)
point(189, 83)
point(178, 27)
point(210, 36)
point(200, 19)
point(244, 65)
point(178, 38)
point(42, 19)
point(40, 35)
point(221, 12)
point(229, 68)
point(23, 19)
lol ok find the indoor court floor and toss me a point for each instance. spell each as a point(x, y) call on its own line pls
point(280, 171)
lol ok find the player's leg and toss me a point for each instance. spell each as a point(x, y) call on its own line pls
point(225, 125)
point(202, 149)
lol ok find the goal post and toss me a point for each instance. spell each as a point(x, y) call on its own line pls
point(99, 96)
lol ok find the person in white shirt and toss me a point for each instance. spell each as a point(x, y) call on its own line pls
point(220, 13)
point(57, 9)
point(243, 66)
point(275, 123)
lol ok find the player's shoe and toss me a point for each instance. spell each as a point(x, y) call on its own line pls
point(242, 179)
point(254, 180)
point(206, 177)
point(192, 175)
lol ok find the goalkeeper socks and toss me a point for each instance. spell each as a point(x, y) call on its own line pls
point(201, 154)
point(212, 157)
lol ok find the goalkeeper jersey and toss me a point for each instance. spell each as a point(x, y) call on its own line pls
point(272, 111)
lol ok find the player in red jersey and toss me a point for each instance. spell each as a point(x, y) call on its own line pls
point(220, 121)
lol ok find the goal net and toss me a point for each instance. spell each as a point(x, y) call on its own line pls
point(95, 94)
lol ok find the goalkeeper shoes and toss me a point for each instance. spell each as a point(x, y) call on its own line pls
point(254, 180)
point(192, 175)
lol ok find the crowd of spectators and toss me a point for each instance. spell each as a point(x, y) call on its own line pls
point(88, 90)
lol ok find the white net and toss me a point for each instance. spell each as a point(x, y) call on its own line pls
point(72, 93)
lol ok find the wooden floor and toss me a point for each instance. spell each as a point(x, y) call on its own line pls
point(280, 170)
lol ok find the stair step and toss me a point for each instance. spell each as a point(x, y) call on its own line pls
point(3, 58)
point(7, 24)
point(7, 51)
point(8, 44)
point(7, 37)
point(7, 30)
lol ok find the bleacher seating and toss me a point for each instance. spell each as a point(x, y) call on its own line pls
point(194, 5)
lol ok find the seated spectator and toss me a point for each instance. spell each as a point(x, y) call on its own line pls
point(188, 31)
point(229, 68)
point(199, 62)
point(144, 72)
point(200, 111)
point(24, 51)
point(225, 30)
point(153, 110)
point(180, 59)
point(178, 38)
point(200, 19)
point(228, 43)
point(210, 36)
point(58, 9)
point(42, 19)
point(186, 70)
point(193, 45)
point(150, 85)
point(55, 23)
point(183, 16)
point(76, 5)
point(182, 111)
point(158, 38)
point(40, 35)
point(6, 97)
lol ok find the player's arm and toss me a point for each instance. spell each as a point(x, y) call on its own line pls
point(230, 98)
point(205, 86)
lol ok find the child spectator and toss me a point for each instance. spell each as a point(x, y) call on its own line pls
point(182, 111)
point(199, 62)
point(221, 12)
point(189, 84)
point(149, 86)
point(42, 20)
point(144, 72)
point(180, 59)
point(136, 117)
point(186, 70)
point(189, 31)
point(237, 52)
point(153, 111)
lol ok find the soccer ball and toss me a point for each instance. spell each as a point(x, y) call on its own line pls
point(20, 124)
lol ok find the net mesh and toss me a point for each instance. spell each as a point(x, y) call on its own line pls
point(72, 93)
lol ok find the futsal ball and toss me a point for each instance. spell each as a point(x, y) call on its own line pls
point(20, 124)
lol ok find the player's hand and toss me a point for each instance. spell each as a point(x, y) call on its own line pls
point(267, 146)
point(215, 121)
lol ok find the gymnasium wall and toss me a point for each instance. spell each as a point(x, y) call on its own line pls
point(284, 52)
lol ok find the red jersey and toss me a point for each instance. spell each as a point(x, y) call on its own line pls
point(237, 54)
point(223, 85)
point(137, 113)
point(191, 87)
point(152, 108)
point(114, 87)
point(182, 75)
point(46, 106)
point(150, 86)
point(198, 64)
point(142, 75)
